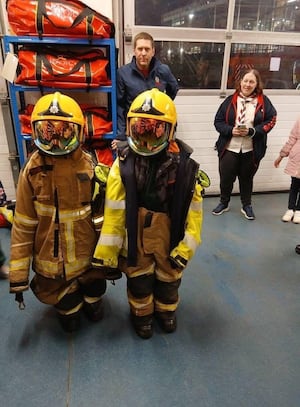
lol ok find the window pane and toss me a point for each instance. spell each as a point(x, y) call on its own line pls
point(279, 66)
point(195, 65)
point(264, 15)
point(182, 13)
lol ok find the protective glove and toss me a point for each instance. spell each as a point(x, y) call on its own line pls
point(111, 273)
point(178, 262)
point(19, 298)
point(108, 273)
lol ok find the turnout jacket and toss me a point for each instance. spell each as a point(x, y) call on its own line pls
point(131, 82)
point(264, 121)
point(119, 232)
point(53, 226)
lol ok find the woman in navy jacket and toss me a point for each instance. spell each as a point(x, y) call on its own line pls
point(243, 121)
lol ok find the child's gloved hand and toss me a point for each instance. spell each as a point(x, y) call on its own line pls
point(109, 273)
point(178, 262)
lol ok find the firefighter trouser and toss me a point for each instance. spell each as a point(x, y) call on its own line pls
point(153, 284)
point(68, 296)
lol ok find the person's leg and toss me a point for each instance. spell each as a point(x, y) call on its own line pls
point(294, 196)
point(228, 166)
point(65, 296)
point(140, 280)
point(93, 287)
point(294, 199)
point(227, 171)
point(247, 170)
point(167, 278)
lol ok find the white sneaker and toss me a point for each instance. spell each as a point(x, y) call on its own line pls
point(296, 218)
point(288, 216)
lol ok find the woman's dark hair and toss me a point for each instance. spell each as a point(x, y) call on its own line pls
point(259, 86)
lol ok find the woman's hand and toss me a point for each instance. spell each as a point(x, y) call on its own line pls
point(240, 131)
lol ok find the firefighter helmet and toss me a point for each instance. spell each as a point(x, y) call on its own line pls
point(57, 124)
point(151, 122)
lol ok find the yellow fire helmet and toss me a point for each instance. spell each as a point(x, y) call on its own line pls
point(151, 122)
point(57, 124)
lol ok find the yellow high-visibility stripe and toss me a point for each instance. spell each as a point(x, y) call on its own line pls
point(25, 220)
point(190, 241)
point(69, 239)
point(196, 206)
point(20, 264)
point(110, 240)
point(64, 215)
point(113, 204)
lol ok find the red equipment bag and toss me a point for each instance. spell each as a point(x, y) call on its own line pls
point(60, 17)
point(97, 122)
point(104, 153)
point(25, 120)
point(61, 68)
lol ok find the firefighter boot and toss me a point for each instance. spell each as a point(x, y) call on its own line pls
point(143, 325)
point(95, 311)
point(69, 323)
point(167, 321)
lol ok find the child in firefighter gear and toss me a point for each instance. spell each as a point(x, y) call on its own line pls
point(153, 213)
point(54, 226)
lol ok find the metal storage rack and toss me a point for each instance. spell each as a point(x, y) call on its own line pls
point(17, 92)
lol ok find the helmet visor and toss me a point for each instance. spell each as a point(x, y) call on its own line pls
point(56, 137)
point(148, 136)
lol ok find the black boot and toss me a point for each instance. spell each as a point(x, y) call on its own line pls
point(143, 326)
point(95, 311)
point(69, 323)
point(167, 321)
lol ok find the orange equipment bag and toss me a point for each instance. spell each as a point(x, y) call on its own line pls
point(97, 122)
point(62, 68)
point(103, 153)
point(69, 18)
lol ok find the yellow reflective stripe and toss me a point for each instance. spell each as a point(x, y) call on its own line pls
point(161, 307)
point(53, 268)
point(64, 215)
point(110, 240)
point(25, 230)
point(78, 265)
point(44, 210)
point(140, 272)
point(196, 206)
point(113, 204)
point(190, 242)
point(22, 264)
point(18, 217)
point(140, 303)
point(98, 219)
point(70, 248)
